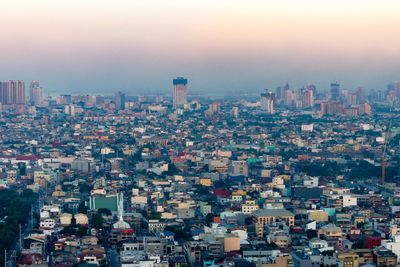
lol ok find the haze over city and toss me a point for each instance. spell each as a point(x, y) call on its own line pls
point(222, 46)
point(199, 133)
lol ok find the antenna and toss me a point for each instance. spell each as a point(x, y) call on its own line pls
point(20, 238)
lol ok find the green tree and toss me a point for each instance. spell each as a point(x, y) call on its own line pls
point(97, 221)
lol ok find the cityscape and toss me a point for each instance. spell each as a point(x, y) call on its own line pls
point(200, 134)
point(295, 177)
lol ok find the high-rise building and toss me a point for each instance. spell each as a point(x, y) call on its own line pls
point(280, 92)
point(365, 108)
point(179, 92)
point(64, 99)
point(12, 92)
point(331, 108)
point(335, 91)
point(36, 94)
point(215, 107)
point(323, 107)
point(360, 94)
point(289, 98)
point(308, 98)
point(120, 101)
point(33, 85)
point(235, 112)
point(395, 86)
point(268, 102)
point(313, 88)
point(335, 108)
point(393, 93)
point(3, 93)
point(352, 98)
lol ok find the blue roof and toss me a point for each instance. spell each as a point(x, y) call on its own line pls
point(240, 178)
point(179, 80)
point(196, 231)
point(168, 233)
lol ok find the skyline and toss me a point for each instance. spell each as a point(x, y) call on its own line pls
point(99, 47)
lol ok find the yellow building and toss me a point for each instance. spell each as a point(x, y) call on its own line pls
point(349, 259)
point(205, 182)
point(239, 193)
point(249, 207)
point(269, 216)
point(358, 219)
point(318, 215)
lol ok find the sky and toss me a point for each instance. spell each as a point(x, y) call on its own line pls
point(227, 46)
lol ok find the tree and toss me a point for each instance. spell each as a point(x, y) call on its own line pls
point(209, 219)
point(104, 211)
point(97, 221)
point(82, 207)
point(84, 188)
point(14, 207)
point(172, 170)
point(155, 216)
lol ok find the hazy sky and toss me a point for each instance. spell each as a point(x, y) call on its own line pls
point(219, 45)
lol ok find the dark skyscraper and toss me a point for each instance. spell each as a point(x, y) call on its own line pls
point(120, 101)
point(335, 91)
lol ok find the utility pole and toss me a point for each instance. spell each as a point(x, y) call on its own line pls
point(384, 163)
point(31, 217)
point(20, 238)
point(13, 261)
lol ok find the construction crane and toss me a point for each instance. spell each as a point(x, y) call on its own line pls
point(383, 156)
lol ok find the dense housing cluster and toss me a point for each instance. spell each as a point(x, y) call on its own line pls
point(153, 181)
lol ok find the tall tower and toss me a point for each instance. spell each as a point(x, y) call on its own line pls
point(3, 92)
point(35, 94)
point(361, 94)
point(308, 98)
point(120, 101)
point(12, 92)
point(179, 92)
point(18, 91)
point(268, 102)
point(335, 91)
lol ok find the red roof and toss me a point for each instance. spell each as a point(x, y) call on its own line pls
point(28, 157)
point(30, 259)
point(216, 219)
point(222, 192)
point(128, 231)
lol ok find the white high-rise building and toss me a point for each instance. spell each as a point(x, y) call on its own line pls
point(36, 93)
point(179, 92)
point(268, 102)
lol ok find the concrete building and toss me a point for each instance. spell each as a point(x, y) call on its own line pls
point(268, 102)
point(179, 92)
point(269, 216)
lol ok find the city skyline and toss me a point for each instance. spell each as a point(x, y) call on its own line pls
point(187, 133)
point(136, 47)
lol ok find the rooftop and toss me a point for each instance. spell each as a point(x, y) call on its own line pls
point(272, 213)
